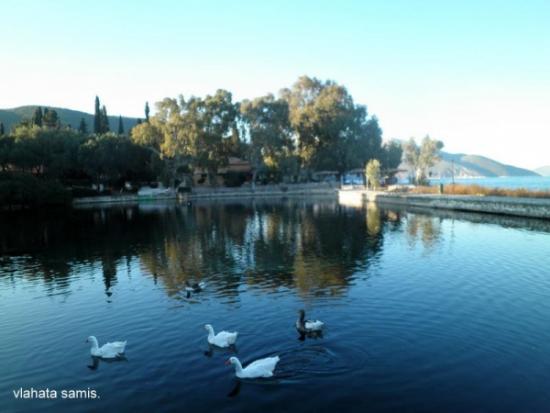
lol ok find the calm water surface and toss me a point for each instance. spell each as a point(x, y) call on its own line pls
point(425, 312)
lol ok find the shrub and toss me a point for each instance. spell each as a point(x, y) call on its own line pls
point(21, 189)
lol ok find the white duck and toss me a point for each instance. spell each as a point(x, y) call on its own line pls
point(222, 339)
point(108, 350)
point(308, 326)
point(259, 368)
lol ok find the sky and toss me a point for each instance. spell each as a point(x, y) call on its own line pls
point(475, 74)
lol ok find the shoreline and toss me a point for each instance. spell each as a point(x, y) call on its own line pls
point(500, 205)
point(216, 193)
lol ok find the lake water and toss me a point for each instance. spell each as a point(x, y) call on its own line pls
point(507, 182)
point(425, 311)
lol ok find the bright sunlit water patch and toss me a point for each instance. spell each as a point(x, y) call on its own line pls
point(424, 311)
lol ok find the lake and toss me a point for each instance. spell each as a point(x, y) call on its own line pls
point(425, 311)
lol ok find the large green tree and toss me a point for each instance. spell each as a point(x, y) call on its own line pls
point(169, 135)
point(113, 159)
point(47, 152)
point(392, 153)
point(267, 126)
point(332, 131)
point(214, 119)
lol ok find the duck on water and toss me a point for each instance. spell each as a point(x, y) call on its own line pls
point(308, 326)
point(261, 368)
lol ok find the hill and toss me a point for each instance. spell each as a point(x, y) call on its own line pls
point(543, 170)
point(11, 117)
point(469, 166)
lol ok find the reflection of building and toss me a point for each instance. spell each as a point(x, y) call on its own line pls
point(235, 173)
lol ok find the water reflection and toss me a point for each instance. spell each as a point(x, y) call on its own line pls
point(423, 228)
point(96, 361)
point(311, 247)
point(298, 244)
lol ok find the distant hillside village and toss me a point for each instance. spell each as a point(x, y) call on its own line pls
point(311, 132)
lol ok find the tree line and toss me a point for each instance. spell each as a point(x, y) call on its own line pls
point(312, 126)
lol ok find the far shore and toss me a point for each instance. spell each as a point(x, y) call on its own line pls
point(532, 207)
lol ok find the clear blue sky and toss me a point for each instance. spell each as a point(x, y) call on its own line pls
point(475, 74)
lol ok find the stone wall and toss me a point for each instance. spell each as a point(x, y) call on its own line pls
point(525, 207)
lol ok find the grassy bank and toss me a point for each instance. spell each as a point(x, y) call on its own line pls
point(477, 190)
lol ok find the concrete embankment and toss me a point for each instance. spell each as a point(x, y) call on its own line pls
point(524, 207)
point(311, 189)
point(265, 191)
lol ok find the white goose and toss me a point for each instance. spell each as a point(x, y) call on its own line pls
point(107, 350)
point(259, 368)
point(308, 326)
point(222, 339)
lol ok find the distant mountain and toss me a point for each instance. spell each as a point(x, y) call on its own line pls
point(543, 170)
point(469, 166)
point(11, 117)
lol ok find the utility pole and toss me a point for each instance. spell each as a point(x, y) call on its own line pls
point(453, 171)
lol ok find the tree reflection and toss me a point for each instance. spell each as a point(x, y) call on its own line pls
point(425, 228)
point(311, 247)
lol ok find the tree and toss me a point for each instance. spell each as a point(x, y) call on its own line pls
point(422, 158)
point(6, 148)
point(266, 124)
point(120, 126)
point(392, 153)
point(372, 171)
point(104, 120)
point(332, 131)
point(97, 117)
point(37, 116)
point(213, 118)
point(114, 159)
point(146, 111)
point(168, 135)
point(50, 118)
point(44, 151)
point(83, 127)
point(2, 131)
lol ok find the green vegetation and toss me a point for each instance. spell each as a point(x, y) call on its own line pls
point(477, 190)
point(11, 118)
point(25, 189)
point(372, 171)
point(40, 164)
point(312, 126)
